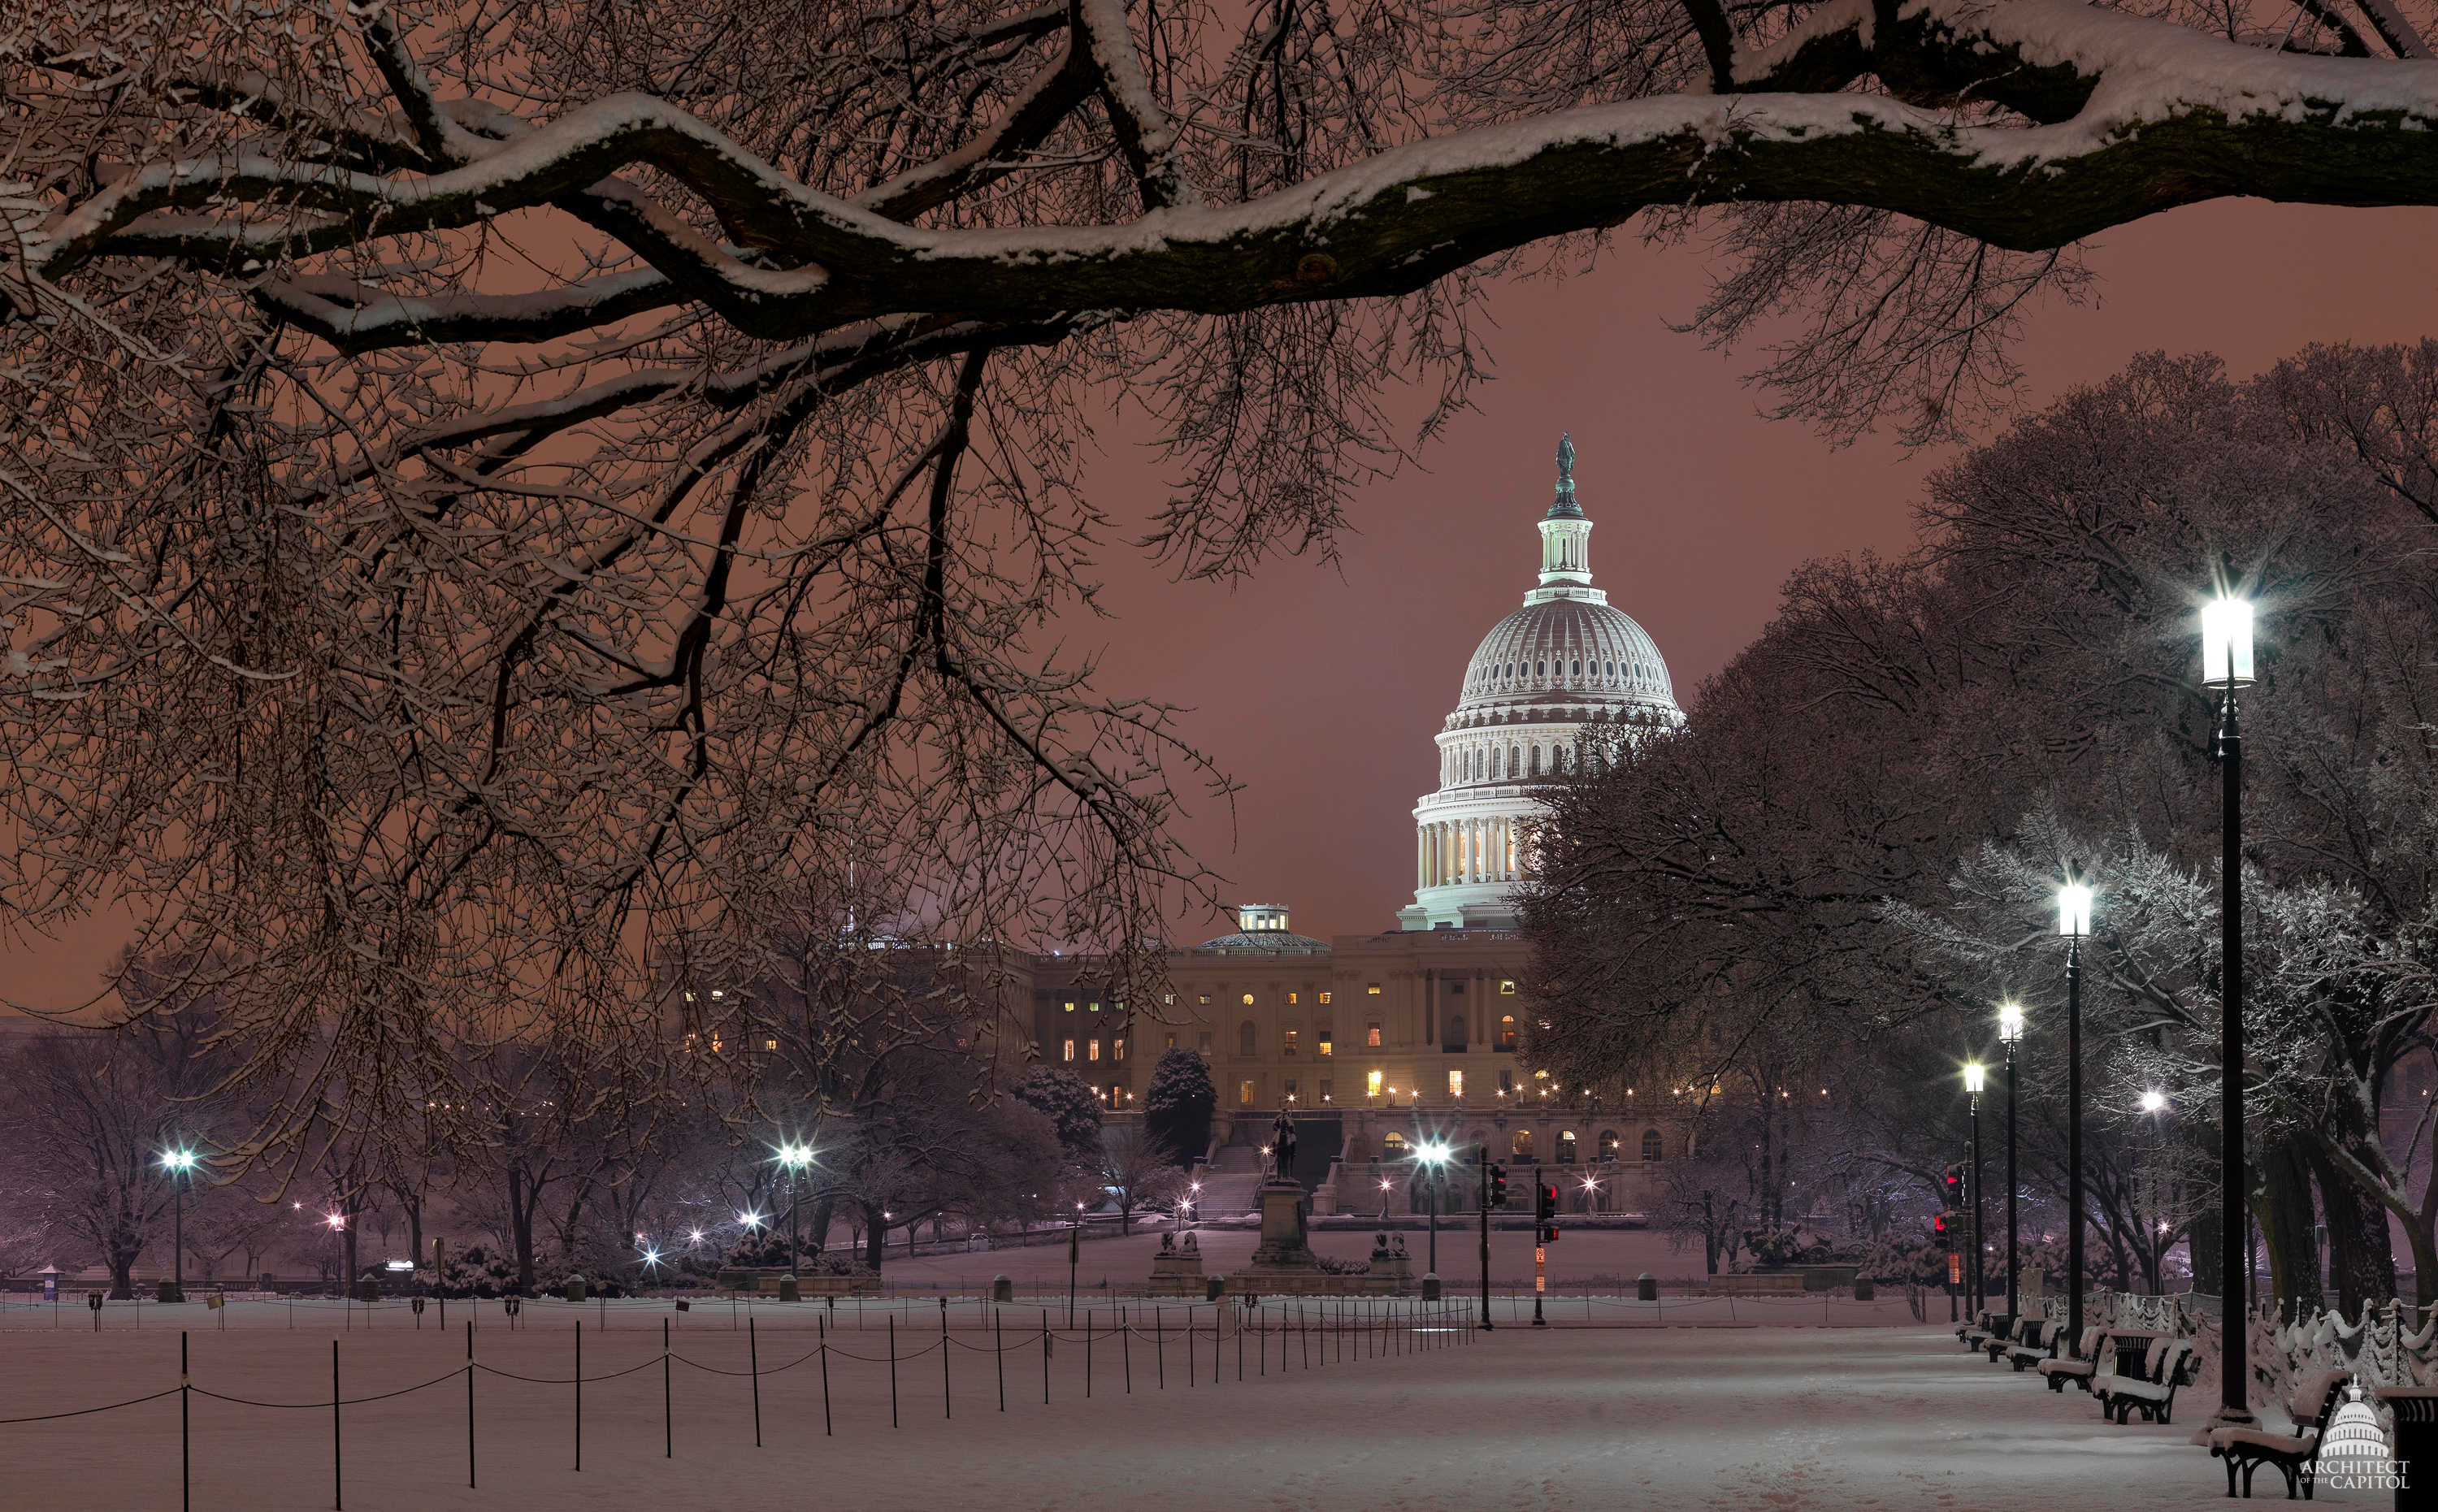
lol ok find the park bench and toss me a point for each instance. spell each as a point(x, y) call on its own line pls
point(2079, 1367)
point(2039, 1345)
point(1976, 1334)
point(2296, 1453)
point(2175, 1364)
point(2017, 1333)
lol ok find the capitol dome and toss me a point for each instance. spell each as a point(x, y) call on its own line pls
point(1564, 667)
point(2355, 1445)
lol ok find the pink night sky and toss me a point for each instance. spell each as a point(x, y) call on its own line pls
point(1319, 690)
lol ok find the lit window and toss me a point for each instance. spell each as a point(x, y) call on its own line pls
point(1248, 999)
point(1071, 1050)
point(1291, 997)
point(1093, 1050)
point(1392, 1145)
point(1070, 1007)
point(1373, 989)
point(1117, 1050)
point(769, 1045)
point(1372, 1082)
point(1206, 999)
point(1322, 1045)
point(1169, 998)
point(1287, 1042)
point(1244, 1094)
point(1507, 988)
point(1324, 997)
point(1455, 1082)
point(1371, 1036)
point(1091, 1008)
point(1171, 1043)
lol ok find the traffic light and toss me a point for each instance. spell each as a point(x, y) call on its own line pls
point(1545, 1202)
point(1549, 1233)
point(1938, 1224)
point(1498, 1185)
point(1953, 1188)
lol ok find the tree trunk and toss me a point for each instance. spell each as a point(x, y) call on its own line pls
point(2283, 1201)
point(121, 1257)
point(876, 1237)
point(2361, 1256)
point(2202, 1236)
point(520, 1227)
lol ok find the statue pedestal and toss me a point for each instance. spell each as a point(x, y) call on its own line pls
point(1285, 1244)
point(1176, 1272)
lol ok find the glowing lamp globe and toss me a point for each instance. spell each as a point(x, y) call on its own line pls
point(2010, 1022)
point(2226, 644)
point(1972, 1077)
point(2073, 909)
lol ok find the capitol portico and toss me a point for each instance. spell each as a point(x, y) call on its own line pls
point(1380, 1042)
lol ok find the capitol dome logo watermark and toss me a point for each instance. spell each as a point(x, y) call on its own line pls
point(2356, 1456)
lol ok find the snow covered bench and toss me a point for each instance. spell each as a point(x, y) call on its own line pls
point(1976, 1334)
point(2080, 1368)
point(2170, 1365)
point(2017, 1333)
point(2039, 1344)
point(2292, 1445)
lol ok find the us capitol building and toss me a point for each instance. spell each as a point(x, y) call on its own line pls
point(1380, 1040)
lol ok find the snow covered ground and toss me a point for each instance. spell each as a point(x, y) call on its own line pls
point(1642, 1417)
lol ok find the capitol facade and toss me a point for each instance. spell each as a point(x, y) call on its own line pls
point(1380, 1042)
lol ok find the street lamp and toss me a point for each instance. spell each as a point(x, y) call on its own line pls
point(1972, 1083)
point(2010, 1028)
point(2073, 922)
point(2226, 666)
point(794, 1158)
point(178, 1163)
point(1432, 1153)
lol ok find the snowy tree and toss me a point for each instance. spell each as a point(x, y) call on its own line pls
point(1179, 1102)
point(1069, 1105)
point(579, 484)
point(1138, 1170)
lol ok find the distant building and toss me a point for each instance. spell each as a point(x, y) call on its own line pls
point(1380, 1042)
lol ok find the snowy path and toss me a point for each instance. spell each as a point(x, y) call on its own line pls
point(1773, 1419)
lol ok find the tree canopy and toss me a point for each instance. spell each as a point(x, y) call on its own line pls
point(504, 498)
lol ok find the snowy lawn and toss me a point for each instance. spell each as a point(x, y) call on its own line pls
point(1779, 1417)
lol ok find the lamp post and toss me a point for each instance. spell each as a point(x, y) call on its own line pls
point(1433, 1155)
point(178, 1163)
point(794, 1158)
point(1972, 1083)
point(2010, 1028)
point(2073, 922)
point(2226, 666)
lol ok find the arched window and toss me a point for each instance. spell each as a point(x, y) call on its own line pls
point(1536, 761)
point(1506, 1031)
point(1566, 1148)
point(1454, 1039)
point(1522, 1144)
point(1578, 667)
point(1608, 1144)
point(1514, 762)
point(1393, 1145)
point(1244, 1038)
point(1651, 1144)
point(1540, 669)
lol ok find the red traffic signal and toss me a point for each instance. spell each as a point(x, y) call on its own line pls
point(1938, 1224)
point(1953, 1188)
point(1498, 1185)
point(1544, 1202)
point(1549, 1233)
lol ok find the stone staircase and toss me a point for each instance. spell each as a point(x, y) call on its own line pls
point(1229, 1181)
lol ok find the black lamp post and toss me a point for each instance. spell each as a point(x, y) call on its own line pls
point(795, 1158)
point(2226, 666)
point(178, 1163)
point(1972, 1083)
point(2010, 1028)
point(2073, 922)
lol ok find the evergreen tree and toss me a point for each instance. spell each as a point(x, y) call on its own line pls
point(1063, 1099)
point(1178, 1103)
